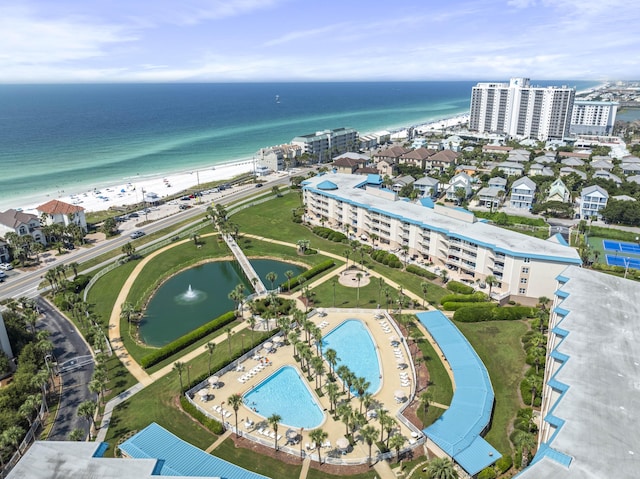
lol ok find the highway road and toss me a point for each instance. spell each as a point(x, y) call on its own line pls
point(25, 283)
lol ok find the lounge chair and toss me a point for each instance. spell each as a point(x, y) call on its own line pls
point(227, 414)
point(272, 435)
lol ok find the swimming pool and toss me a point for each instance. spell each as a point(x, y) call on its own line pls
point(285, 393)
point(356, 349)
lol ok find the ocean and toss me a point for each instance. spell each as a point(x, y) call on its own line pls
point(70, 138)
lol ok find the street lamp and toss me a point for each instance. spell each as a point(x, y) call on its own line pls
point(626, 267)
point(222, 414)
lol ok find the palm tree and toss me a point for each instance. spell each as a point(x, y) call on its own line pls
point(444, 274)
point(383, 417)
point(441, 468)
point(273, 421)
point(127, 310)
point(491, 282)
point(74, 267)
point(331, 356)
point(526, 442)
point(317, 364)
point(333, 392)
point(179, 367)
point(347, 253)
point(345, 412)
point(334, 283)
point(87, 409)
point(342, 371)
point(425, 399)
point(534, 383)
point(235, 401)
point(358, 278)
point(543, 301)
point(423, 286)
point(396, 442)
point(360, 385)
point(229, 332)
point(77, 435)
point(271, 277)
point(12, 436)
point(349, 378)
point(369, 434)
point(289, 274)
point(389, 427)
point(211, 346)
point(318, 436)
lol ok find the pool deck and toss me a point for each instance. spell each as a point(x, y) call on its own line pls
point(381, 328)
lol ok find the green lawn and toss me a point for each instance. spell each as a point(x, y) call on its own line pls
point(346, 297)
point(498, 343)
point(256, 462)
point(440, 387)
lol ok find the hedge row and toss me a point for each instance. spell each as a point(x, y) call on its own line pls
point(504, 464)
point(308, 274)
point(329, 234)
point(412, 268)
point(476, 313)
point(386, 258)
point(457, 305)
point(459, 288)
point(477, 297)
point(211, 424)
point(488, 473)
point(183, 341)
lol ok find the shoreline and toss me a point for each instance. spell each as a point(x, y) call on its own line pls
point(129, 189)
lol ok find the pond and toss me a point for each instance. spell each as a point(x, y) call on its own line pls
point(198, 295)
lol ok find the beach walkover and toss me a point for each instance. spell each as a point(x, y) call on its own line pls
point(246, 266)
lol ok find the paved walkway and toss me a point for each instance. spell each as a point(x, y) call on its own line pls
point(305, 467)
point(245, 264)
point(219, 441)
point(145, 379)
point(384, 470)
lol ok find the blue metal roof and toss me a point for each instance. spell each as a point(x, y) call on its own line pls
point(428, 202)
point(179, 458)
point(327, 185)
point(457, 431)
point(374, 179)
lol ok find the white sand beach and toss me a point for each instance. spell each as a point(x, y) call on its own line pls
point(131, 191)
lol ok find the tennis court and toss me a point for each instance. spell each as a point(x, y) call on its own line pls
point(623, 261)
point(609, 245)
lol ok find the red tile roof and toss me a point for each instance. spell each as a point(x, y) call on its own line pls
point(55, 207)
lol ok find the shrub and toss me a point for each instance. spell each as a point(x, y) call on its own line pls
point(80, 282)
point(188, 339)
point(417, 270)
point(475, 313)
point(504, 464)
point(513, 314)
point(477, 297)
point(518, 458)
point(388, 259)
point(487, 473)
point(211, 424)
point(309, 251)
point(329, 234)
point(308, 274)
point(460, 288)
point(457, 305)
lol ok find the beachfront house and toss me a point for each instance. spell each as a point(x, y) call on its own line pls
point(22, 224)
point(271, 158)
point(522, 193)
point(61, 213)
point(490, 197)
point(592, 199)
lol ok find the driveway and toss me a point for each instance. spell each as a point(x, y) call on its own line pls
point(73, 358)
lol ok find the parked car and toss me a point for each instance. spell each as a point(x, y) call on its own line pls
point(3, 275)
point(137, 234)
point(6, 266)
point(258, 185)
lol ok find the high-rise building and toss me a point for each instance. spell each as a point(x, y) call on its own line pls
point(521, 110)
point(593, 117)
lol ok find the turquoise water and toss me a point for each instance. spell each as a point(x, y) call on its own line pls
point(172, 313)
point(355, 349)
point(73, 137)
point(286, 394)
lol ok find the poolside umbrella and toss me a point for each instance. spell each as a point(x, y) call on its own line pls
point(291, 434)
point(399, 394)
point(203, 393)
point(393, 339)
point(213, 380)
point(342, 443)
point(278, 340)
point(268, 345)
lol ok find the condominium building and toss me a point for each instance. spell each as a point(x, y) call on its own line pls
point(452, 238)
point(593, 117)
point(521, 110)
point(324, 144)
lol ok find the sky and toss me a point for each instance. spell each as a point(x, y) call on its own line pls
point(44, 41)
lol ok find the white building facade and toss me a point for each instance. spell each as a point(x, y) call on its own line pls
point(593, 117)
point(451, 238)
point(521, 110)
point(325, 144)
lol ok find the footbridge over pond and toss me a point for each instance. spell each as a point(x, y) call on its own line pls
point(246, 266)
